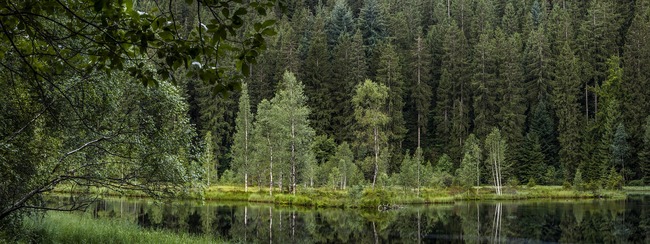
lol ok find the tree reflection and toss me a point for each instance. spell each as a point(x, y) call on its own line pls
point(466, 222)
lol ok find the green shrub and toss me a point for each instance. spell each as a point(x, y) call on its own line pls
point(566, 185)
point(531, 183)
point(635, 183)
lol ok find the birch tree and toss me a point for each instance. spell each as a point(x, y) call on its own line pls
point(369, 101)
point(241, 149)
point(496, 147)
point(291, 111)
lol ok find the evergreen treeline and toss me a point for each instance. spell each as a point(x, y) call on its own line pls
point(545, 91)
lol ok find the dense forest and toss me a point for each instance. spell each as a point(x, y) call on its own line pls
point(553, 90)
point(160, 96)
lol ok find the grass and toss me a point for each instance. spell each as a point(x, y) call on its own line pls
point(59, 227)
point(358, 197)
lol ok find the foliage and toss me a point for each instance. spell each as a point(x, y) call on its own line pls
point(368, 101)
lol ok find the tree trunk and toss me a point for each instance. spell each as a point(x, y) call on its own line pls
point(270, 168)
point(376, 147)
point(293, 157)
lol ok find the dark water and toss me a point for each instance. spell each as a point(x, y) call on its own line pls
point(591, 221)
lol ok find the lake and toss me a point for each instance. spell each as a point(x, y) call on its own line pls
point(592, 221)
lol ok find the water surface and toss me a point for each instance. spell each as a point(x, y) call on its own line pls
point(591, 221)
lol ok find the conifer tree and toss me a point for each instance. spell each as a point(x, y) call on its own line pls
point(484, 84)
point(452, 104)
point(469, 171)
point(644, 153)
point(319, 85)
point(340, 23)
point(421, 90)
point(620, 151)
point(566, 99)
point(389, 74)
point(636, 74)
point(348, 69)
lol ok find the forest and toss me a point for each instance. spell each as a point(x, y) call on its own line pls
point(165, 96)
point(435, 92)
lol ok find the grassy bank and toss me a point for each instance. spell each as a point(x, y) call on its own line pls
point(59, 227)
point(357, 197)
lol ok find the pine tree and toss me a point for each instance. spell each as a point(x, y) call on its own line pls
point(217, 115)
point(287, 47)
point(537, 58)
point(606, 120)
point(368, 101)
point(349, 69)
point(543, 125)
point(373, 27)
point(512, 105)
point(319, 87)
point(242, 144)
point(636, 75)
point(597, 38)
point(644, 153)
point(484, 83)
point(452, 101)
point(566, 99)
point(620, 151)
point(389, 74)
point(469, 171)
point(532, 164)
point(421, 90)
point(340, 23)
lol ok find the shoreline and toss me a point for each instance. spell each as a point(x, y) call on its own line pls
point(357, 197)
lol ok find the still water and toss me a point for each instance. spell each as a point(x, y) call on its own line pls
point(591, 221)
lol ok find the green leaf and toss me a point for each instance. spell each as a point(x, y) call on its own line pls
point(241, 11)
point(268, 23)
point(269, 32)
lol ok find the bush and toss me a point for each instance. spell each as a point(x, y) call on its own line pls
point(513, 182)
point(566, 185)
point(635, 183)
point(531, 183)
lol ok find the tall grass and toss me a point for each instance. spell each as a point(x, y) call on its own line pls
point(58, 227)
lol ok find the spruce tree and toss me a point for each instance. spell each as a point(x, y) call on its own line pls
point(566, 100)
point(340, 23)
point(319, 85)
point(484, 84)
point(620, 151)
point(421, 90)
point(389, 74)
point(452, 101)
point(644, 153)
point(636, 75)
point(348, 69)
point(469, 173)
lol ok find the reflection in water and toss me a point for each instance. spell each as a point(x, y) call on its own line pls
point(558, 221)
